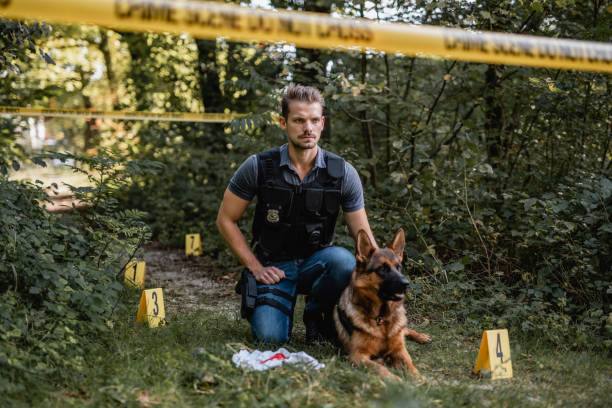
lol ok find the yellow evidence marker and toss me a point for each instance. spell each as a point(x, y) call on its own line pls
point(135, 274)
point(193, 245)
point(494, 355)
point(151, 308)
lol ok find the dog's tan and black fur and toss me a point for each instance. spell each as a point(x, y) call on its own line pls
point(370, 317)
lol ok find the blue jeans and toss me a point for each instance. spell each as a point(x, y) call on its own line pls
point(322, 276)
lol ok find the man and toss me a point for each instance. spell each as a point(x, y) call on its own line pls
point(300, 189)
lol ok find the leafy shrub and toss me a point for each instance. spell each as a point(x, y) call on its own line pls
point(565, 251)
point(17, 38)
point(534, 261)
point(58, 273)
point(198, 164)
point(535, 264)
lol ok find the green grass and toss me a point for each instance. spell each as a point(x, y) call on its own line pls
point(188, 363)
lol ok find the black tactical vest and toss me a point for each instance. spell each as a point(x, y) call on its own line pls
point(295, 221)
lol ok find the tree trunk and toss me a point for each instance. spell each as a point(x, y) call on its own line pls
point(607, 130)
point(388, 114)
point(91, 131)
point(141, 78)
point(494, 114)
point(110, 68)
point(210, 89)
point(366, 130)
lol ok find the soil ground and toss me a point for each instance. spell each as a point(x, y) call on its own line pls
point(190, 283)
point(194, 283)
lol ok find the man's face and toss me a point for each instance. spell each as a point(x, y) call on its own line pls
point(304, 124)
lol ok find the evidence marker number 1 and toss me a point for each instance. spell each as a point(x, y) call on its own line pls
point(135, 274)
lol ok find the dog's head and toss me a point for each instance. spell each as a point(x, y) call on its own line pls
point(382, 268)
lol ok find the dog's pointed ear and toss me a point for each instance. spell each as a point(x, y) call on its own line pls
point(364, 246)
point(398, 244)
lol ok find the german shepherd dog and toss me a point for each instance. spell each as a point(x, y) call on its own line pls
point(370, 317)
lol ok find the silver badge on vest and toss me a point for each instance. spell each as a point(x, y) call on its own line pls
point(272, 216)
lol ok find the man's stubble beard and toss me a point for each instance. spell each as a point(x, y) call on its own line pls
point(301, 147)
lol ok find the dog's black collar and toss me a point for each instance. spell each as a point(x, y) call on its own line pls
point(348, 324)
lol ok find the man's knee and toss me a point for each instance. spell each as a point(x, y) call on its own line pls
point(270, 336)
point(341, 263)
point(269, 325)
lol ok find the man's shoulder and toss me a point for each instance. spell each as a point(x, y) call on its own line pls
point(331, 155)
point(270, 150)
point(272, 153)
point(335, 163)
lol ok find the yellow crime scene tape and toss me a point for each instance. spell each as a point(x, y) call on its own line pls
point(315, 30)
point(83, 113)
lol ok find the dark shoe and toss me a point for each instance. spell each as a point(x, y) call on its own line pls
point(313, 322)
point(320, 327)
point(328, 328)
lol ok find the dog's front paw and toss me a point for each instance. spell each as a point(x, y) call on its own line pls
point(416, 336)
point(422, 338)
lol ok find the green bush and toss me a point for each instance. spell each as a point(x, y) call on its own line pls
point(199, 161)
point(529, 259)
point(565, 250)
point(59, 273)
point(535, 264)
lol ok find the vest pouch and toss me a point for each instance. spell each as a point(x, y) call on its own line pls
point(332, 202)
point(314, 234)
point(313, 201)
point(272, 239)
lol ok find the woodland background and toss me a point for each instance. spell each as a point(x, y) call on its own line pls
point(501, 176)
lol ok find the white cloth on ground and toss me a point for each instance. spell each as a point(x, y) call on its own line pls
point(263, 360)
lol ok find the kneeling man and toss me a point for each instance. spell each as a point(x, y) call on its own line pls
point(300, 189)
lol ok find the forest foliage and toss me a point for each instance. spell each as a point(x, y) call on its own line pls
point(500, 175)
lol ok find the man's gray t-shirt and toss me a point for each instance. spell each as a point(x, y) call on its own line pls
point(244, 181)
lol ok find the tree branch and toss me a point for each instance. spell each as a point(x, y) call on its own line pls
point(448, 141)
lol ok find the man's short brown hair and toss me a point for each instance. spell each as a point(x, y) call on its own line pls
point(296, 92)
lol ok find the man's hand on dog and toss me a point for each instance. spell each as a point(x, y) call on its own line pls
point(268, 275)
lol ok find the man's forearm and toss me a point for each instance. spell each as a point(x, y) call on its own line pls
point(235, 240)
point(358, 220)
point(232, 208)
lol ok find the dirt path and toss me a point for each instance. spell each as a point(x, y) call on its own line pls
point(62, 199)
point(190, 283)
